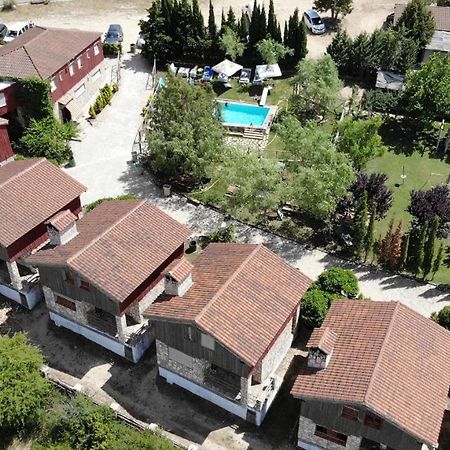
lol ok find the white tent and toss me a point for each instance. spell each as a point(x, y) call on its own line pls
point(267, 71)
point(227, 67)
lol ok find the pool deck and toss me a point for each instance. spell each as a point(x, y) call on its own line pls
point(266, 124)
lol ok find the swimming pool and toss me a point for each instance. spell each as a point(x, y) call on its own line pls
point(243, 114)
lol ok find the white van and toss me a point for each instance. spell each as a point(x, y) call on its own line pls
point(16, 29)
point(314, 22)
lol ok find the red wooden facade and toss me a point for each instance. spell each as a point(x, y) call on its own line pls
point(5, 144)
point(8, 103)
point(76, 69)
point(38, 235)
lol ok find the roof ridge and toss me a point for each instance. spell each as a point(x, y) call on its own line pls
point(228, 282)
point(30, 58)
point(19, 174)
point(382, 350)
point(97, 238)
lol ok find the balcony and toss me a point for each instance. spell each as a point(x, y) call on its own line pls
point(226, 383)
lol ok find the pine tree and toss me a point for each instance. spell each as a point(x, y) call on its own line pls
point(212, 27)
point(360, 226)
point(231, 20)
point(429, 248)
point(370, 237)
point(438, 260)
point(405, 242)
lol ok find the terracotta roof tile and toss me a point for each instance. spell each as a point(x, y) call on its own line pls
point(322, 338)
point(43, 51)
point(242, 295)
point(62, 220)
point(119, 245)
point(179, 269)
point(441, 15)
point(389, 358)
point(32, 191)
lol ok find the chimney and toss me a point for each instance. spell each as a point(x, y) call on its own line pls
point(320, 347)
point(178, 277)
point(62, 227)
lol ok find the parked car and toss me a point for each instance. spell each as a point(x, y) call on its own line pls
point(16, 30)
point(314, 22)
point(3, 31)
point(114, 35)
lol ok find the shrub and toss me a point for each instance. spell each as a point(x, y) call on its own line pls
point(338, 282)
point(93, 205)
point(92, 112)
point(223, 235)
point(112, 49)
point(8, 5)
point(384, 101)
point(314, 307)
point(104, 98)
point(442, 317)
point(34, 94)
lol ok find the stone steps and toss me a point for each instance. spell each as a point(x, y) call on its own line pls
point(254, 133)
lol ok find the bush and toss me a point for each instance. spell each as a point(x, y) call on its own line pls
point(34, 94)
point(223, 235)
point(112, 49)
point(314, 307)
point(23, 390)
point(48, 138)
point(338, 282)
point(442, 317)
point(8, 5)
point(104, 98)
point(383, 101)
point(93, 205)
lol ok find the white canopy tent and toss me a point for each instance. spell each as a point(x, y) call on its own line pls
point(264, 71)
point(227, 67)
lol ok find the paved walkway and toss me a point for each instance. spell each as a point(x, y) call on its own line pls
point(103, 165)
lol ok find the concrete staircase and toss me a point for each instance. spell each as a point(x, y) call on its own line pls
point(254, 133)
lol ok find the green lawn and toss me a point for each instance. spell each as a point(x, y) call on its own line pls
point(422, 173)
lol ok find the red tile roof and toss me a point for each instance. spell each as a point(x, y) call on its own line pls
point(388, 358)
point(42, 52)
point(179, 269)
point(62, 220)
point(441, 15)
point(242, 295)
point(119, 245)
point(32, 191)
point(323, 338)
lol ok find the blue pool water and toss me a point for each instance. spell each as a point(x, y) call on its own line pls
point(243, 114)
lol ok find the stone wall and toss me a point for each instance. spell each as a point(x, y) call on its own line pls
point(151, 296)
point(306, 430)
point(78, 316)
point(196, 370)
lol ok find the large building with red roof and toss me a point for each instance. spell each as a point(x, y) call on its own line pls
point(101, 273)
point(225, 324)
point(377, 376)
point(31, 192)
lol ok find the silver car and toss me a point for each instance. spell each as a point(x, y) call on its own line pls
point(314, 22)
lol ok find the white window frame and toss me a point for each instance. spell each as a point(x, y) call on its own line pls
point(80, 62)
point(79, 91)
point(88, 54)
point(2, 99)
point(96, 75)
point(53, 86)
point(71, 69)
point(96, 50)
point(61, 75)
point(207, 341)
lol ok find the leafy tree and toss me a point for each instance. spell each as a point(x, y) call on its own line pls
point(23, 390)
point(317, 87)
point(48, 138)
point(212, 27)
point(427, 90)
point(314, 307)
point(261, 188)
point(378, 194)
point(272, 51)
point(231, 44)
point(428, 256)
point(370, 236)
point(360, 225)
point(184, 137)
point(319, 175)
point(342, 7)
point(273, 27)
point(295, 37)
point(34, 94)
point(338, 282)
point(426, 205)
point(442, 317)
point(361, 140)
point(418, 22)
point(438, 260)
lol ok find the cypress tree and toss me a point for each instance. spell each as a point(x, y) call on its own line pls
point(301, 50)
point(212, 27)
point(429, 248)
point(361, 226)
point(385, 245)
point(404, 254)
point(198, 22)
point(438, 260)
point(242, 27)
point(253, 29)
point(262, 24)
point(420, 248)
point(223, 22)
point(295, 37)
point(285, 34)
point(273, 28)
point(395, 250)
point(231, 20)
point(370, 237)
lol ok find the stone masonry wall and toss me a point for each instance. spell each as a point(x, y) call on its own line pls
point(195, 373)
point(306, 429)
point(78, 316)
point(151, 296)
point(277, 352)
